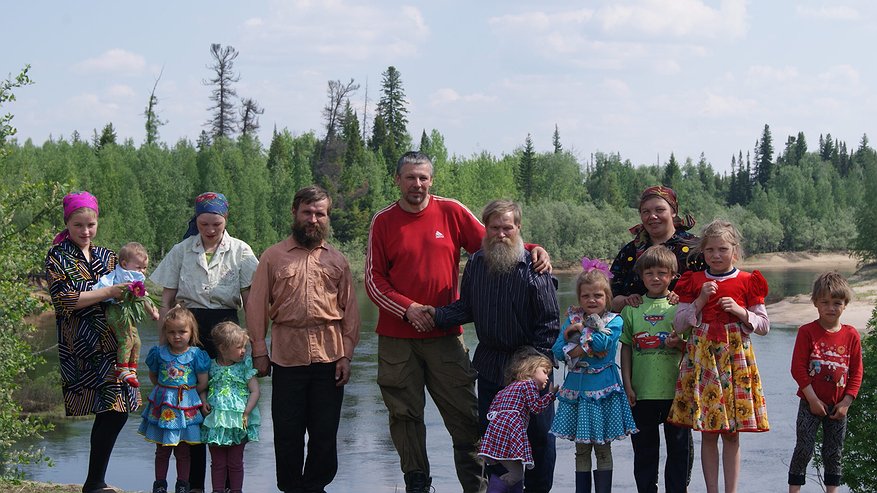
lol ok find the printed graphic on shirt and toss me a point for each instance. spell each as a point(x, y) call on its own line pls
point(830, 363)
point(654, 319)
point(645, 341)
point(439, 235)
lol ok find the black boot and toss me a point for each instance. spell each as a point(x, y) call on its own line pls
point(417, 482)
point(603, 481)
point(583, 481)
point(159, 486)
point(181, 487)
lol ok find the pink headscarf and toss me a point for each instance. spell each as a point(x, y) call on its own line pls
point(72, 202)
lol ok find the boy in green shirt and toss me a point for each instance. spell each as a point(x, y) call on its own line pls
point(650, 355)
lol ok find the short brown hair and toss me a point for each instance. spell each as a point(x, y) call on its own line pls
point(833, 285)
point(524, 363)
point(309, 195)
point(132, 251)
point(501, 206)
point(656, 256)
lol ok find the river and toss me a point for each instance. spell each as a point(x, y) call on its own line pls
point(368, 461)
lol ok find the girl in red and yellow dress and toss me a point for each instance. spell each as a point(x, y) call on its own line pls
point(719, 390)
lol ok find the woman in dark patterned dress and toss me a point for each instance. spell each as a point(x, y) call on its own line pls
point(660, 224)
point(86, 345)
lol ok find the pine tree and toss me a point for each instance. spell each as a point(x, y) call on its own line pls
point(672, 173)
point(526, 168)
point(392, 107)
point(764, 157)
point(556, 141)
point(223, 122)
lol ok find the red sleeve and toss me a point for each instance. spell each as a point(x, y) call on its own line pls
point(801, 356)
point(471, 230)
point(756, 291)
point(377, 283)
point(855, 377)
point(686, 289)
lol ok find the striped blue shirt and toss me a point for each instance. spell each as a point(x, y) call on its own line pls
point(510, 310)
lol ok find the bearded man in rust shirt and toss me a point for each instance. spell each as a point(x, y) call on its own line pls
point(304, 286)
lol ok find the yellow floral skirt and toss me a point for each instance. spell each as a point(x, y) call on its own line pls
point(719, 388)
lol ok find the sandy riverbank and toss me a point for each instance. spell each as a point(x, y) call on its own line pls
point(798, 310)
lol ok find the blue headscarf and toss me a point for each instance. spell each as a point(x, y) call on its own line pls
point(207, 202)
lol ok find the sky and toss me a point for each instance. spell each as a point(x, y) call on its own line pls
point(642, 78)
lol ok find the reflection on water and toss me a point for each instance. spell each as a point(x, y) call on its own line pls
point(366, 453)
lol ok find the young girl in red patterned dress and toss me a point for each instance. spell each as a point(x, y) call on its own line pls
point(505, 440)
point(719, 390)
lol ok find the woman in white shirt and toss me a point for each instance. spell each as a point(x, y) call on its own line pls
point(210, 273)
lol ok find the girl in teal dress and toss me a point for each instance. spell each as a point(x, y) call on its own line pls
point(232, 417)
point(171, 420)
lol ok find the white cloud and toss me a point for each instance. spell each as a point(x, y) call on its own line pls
point(676, 18)
point(666, 67)
point(338, 29)
point(120, 91)
point(717, 105)
point(91, 104)
point(115, 61)
point(447, 95)
point(617, 87)
point(840, 75)
point(765, 73)
point(833, 12)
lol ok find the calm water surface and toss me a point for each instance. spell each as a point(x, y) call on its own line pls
point(368, 461)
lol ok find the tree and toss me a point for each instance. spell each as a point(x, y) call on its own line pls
point(152, 119)
point(223, 122)
point(338, 93)
point(6, 94)
point(392, 108)
point(860, 451)
point(556, 141)
point(764, 157)
point(672, 172)
point(107, 136)
point(526, 169)
point(250, 111)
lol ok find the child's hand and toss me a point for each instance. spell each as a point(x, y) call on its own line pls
point(727, 304)
point(708, 289)
point(841, 408)
point(554, 388)
point(673, 341)
point(672, 298)
point(246, 419)
point(818, 408)
point(631, 396)
point(570, 332)
point(205, 409)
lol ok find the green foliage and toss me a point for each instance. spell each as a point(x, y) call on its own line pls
point(6, 94)
point(865, 243)
point(23, 231)
point(860, 448)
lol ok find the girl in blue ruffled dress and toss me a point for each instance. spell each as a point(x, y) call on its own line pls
point(232, 416)
point(172, 419)
point(593, 409)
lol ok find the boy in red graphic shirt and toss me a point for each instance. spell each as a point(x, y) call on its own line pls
point(827, 365)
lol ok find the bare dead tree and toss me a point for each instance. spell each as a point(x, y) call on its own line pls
point(338, 92)
point(152, 119)
point(250, 111)
point(223, 122)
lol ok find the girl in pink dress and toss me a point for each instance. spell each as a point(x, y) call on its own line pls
point(719, 389)
point(505, 440)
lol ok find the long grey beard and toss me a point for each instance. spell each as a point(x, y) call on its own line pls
point(502, 257)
